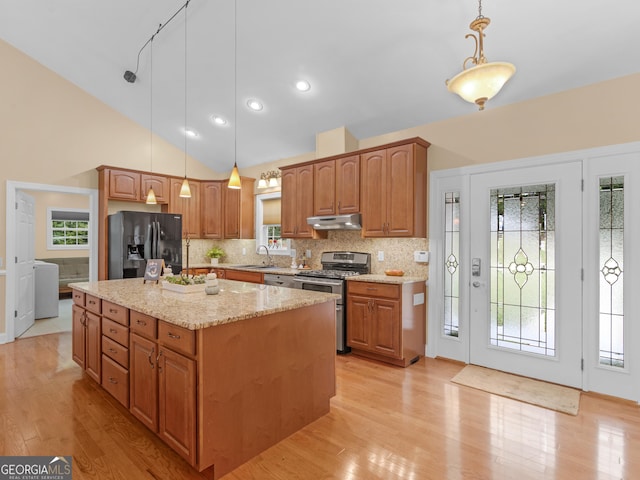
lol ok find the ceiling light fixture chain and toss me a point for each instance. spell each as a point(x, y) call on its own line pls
point(483, 80)
point(130, 76)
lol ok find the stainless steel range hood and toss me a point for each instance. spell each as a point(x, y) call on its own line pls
point(336, 222)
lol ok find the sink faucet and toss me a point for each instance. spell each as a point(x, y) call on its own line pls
point(266, 249)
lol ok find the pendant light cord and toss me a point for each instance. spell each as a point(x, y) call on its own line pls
point(185, 88)
point(151, 105)
point(235, 81)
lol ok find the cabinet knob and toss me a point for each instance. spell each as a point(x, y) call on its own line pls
point(113, 380)
point(113, 330)
point(141, 322)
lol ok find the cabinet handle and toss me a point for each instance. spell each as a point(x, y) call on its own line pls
point(92, 302)
point(151, 361)
point(113, 330)
point(141, 322)
point(113, 310)
point(175, 337)
point(112, 350)
point(158, 361)
point(113, 380)
point(372, 288)
point(338, 206)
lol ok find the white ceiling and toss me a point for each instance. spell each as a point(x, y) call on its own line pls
point(375, 66)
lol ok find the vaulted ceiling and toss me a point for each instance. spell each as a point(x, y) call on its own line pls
point(375, 66)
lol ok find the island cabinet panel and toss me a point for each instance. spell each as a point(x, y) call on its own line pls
point(93, 346)
point(282, 379)
point(115, 351)
point(177, 402)
point(387, 322)
point(177, 338)
point(393, 191)
point(144, 381)
point(144, 325)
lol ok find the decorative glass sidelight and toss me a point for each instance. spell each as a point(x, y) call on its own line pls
point(451, 271)
point(522, 269)
point(611, 268)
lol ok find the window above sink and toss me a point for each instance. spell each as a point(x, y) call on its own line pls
point(268, 225)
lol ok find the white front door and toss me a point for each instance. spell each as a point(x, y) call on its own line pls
point(525, 264)
point(24, 258)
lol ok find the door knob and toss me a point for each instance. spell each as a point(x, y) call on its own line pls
point(476, 284)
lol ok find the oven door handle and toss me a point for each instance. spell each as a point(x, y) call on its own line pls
point(321, 282)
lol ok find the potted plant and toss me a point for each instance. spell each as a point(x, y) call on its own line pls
point(214, 253)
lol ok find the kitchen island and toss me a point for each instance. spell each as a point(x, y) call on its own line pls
point(219, 378)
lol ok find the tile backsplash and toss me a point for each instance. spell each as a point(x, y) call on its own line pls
point(398, 252)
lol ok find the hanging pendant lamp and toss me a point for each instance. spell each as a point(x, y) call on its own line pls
point(234, 180)
point(484, 80)
point(151, 195)
point(185, 189)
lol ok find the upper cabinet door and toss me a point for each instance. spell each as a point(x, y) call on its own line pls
point(324, 192)
point(374, 193)
point(124, 185)
point(211, 216)
point(160, 186)
point(188, 207)
point(348, 185)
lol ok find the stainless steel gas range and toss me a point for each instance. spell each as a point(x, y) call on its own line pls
point(336, 267)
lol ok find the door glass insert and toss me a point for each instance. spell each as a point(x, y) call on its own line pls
point(451, 262)
point(522, 270)
point(611, 268)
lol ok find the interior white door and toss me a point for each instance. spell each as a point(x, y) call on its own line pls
point(25, 257)
point(525, 249)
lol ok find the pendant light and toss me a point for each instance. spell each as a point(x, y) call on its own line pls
point(185, 190)
point(484, 80)
point(234, 180)
point(151, 195)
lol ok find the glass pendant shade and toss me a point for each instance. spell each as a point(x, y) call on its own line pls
point(185, 190)
point(234, 179)
point(151, 197)
point(482, 82)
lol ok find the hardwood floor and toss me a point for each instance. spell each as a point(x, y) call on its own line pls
point(385, 423)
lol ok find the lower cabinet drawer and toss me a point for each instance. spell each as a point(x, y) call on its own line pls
point(115, 351)
point(177, 338)
point(115, 331)
point(115, 380)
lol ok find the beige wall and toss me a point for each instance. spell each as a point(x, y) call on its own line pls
point(55, 133)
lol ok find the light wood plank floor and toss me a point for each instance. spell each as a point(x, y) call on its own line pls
point(385, 423)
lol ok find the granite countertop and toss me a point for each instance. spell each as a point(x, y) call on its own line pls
point(385, 279)
point(238, 266)
point(236, 301)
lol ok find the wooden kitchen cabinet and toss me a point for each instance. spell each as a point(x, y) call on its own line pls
point(115, 351)
point(133, 185)
point(394, 191)
point(86, 334)
point(387, 322)
point(337, 186)
point(163, 381)
point(297, 203)
point(212, 212)
point(189, 208)
point(244, 276)
point(239, 210)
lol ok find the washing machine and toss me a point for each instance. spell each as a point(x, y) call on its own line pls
point(46, 289)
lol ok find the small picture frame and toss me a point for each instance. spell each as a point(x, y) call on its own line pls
point(154, 270)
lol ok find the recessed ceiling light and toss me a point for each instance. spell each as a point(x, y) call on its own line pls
point(190, 132)
point(254, 105)
point(218, 120)
point(303, 85)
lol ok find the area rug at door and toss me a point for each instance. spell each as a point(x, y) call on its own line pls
point(543, 394)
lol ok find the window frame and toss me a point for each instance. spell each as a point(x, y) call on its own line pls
point(51, 211)
point(260, 231)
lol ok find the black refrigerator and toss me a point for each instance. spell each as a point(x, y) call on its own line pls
point(135, 237)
